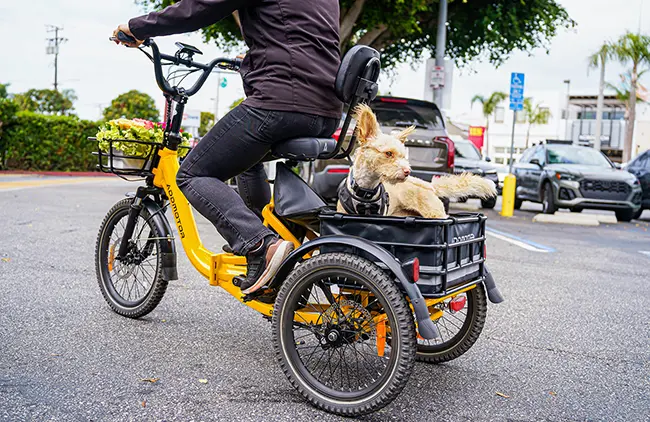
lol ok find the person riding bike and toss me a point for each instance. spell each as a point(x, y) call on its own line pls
point(288, 75)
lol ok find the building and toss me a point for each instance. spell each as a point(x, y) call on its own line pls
point(578, 125)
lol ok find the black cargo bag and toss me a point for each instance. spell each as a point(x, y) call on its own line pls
point(451, 250)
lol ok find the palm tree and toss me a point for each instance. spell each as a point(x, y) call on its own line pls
point(489, 105)
point(622, 93)
point(599, 59)
point(536, 115)
point(634, 49)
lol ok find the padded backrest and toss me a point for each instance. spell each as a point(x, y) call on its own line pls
point(351, 69)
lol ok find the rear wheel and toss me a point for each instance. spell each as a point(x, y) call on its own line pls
point(625, 215)
point(548, 199)
point(637, 215)
point(132, 285)
point(344, 334)
point(459, 330)
point(518, 203)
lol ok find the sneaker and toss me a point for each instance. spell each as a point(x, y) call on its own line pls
point(263, 263)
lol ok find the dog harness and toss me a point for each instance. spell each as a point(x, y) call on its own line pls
point(362, 201)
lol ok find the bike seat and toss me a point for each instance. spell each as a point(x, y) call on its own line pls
point(304, 148)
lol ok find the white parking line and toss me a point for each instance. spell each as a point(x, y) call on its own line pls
point(518, 241)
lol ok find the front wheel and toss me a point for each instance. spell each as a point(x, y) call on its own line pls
point(132, 285)
point(344, 334)
point(489, 203)
point(548, 199)
point(625, 215)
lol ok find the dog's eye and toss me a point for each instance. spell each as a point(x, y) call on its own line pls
point(389, 154)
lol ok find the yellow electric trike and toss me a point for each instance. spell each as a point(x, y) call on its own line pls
point(360, 298)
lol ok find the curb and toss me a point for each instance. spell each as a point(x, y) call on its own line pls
point(59, 173)
point(601, 218)
point(565, 218)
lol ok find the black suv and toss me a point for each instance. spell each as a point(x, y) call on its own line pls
point(575, 177)
point(640, 167)
point(468, 159)
point(430, 151)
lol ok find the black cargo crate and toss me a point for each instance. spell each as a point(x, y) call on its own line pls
point(451, 250)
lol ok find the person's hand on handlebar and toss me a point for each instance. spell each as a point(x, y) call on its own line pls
point(125, 29)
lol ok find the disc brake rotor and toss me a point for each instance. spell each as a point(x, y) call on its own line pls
point(356, 318)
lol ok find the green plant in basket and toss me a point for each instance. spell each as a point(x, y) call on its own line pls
point(121, 131)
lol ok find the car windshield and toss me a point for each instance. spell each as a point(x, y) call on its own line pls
point(404, 115)
point(467, 150)
point(576, 155)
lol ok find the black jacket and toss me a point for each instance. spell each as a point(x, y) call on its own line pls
point(293, 45)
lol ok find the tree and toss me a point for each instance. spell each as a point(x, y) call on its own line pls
point(404, 30)
point(236, 103)
point(131, 105)
point(631, 49)
point(599, 59)
point(489, 105)
point(623, 93)
point(3, 91)
point(207, 121)
point(46, 101)
point(536, 115)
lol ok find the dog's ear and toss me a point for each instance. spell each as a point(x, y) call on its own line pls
point(405, 133)
point(367, 126)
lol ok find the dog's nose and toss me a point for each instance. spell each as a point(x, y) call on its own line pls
point(407, 172)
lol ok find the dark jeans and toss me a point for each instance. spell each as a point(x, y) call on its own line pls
point(236, 146)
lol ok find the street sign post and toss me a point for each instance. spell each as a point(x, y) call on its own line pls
point(516, 104)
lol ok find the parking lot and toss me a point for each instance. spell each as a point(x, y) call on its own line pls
point(570, 342)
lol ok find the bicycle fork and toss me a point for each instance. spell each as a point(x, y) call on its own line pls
point(134, 212)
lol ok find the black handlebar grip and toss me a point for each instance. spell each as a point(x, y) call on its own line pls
point(123, 37)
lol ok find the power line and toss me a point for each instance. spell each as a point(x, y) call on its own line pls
point(53, 49)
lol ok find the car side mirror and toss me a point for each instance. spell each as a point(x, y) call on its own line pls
point(536, 162)
point(488, 159)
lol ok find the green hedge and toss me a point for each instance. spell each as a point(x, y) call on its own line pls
point(49, 143)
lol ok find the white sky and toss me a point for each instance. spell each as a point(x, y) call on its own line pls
point(99, 71)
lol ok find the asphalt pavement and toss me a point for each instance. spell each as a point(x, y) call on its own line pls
point(571, 342)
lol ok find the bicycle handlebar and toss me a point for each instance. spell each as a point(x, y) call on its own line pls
point(158, 57)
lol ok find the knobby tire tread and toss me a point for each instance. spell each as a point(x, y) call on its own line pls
point(404, 319)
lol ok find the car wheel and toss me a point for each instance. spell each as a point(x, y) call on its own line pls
point(625, 215)
point(574, 209)
point(518, 203)
point(637, 214)
point(488, 203)
point(548, 199)
point(461, 200)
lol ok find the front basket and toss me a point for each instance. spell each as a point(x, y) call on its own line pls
point(115, 161)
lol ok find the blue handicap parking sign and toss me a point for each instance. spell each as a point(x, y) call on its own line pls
point(517, 91)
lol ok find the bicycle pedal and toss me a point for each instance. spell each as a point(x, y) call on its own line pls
point(238, 280)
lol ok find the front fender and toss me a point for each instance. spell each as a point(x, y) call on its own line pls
point(426, 327)
point(168, 252)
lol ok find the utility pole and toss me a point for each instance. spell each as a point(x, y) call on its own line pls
point(441, 41)
point(566, 115)
point(53, 49)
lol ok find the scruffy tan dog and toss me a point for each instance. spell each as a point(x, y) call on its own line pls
point(381, 173)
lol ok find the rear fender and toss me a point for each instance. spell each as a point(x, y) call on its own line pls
point(426, 327)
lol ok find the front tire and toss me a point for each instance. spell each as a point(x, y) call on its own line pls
point(488, 203)
point(625, 215)
point(133, 286)
point(368, 325)
point(548, 199)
